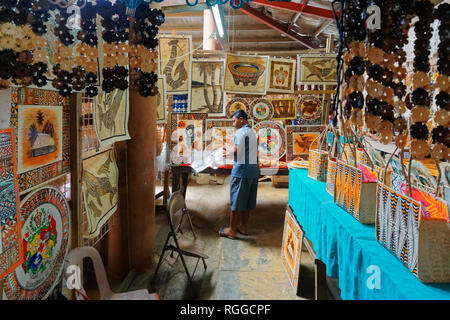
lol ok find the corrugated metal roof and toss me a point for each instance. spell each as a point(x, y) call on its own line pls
point(245, 33)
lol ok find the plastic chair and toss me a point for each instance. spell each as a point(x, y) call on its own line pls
point(176, 211)
point(76, 256)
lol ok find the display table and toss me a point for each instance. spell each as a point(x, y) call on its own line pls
point(349, 248)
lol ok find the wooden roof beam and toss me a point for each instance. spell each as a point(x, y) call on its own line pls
point(297, 7)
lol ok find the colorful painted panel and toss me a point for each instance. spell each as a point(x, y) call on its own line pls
point(284, 109)
point(291, 248)
point(236, 104)
point(316, 69)
point(207, 88)
point(309, 108)
point(161, 100)
point(317, 168)
point(282, 75)
point(261, 110)
point(397, 225)
point(175, 62)
point(10, 236)
point(271, 140)
point(100, 190)
point(187, 137)
point(39, 136)
point(299, 139)
point(46, 239)
point(111, 111)
point(246, 74)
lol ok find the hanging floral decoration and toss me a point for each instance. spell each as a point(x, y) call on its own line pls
point(75, 55)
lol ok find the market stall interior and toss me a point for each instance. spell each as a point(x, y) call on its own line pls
point(119, 144)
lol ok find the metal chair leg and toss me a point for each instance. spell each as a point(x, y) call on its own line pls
point(161, 257)
point(189, 275)
point(190, 222)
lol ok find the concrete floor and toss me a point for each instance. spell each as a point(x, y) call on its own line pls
point(249, 267)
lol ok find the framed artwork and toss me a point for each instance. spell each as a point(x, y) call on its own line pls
point(261, 110)
point(235, 104)
point(282, 75)
point(41, 98)
point(246, 74)
point(219, 133)
point(309, 108)
point(291, 248)
point(187, 130)
point(271, 140)
point(39, 136)
point(175, 54)
point(161, 100)
point(299, 140)
point(100, 190)
point(10, 234)
point(317, 69)
point(45, 217)
point(207, 87)
point(284, 109)
point(111, 112)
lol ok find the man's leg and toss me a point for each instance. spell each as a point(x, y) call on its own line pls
point(234, 220)
point(251, 204)
point(242, 226)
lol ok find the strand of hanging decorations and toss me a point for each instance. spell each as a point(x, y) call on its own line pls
point(441, 134)
point(29, 46)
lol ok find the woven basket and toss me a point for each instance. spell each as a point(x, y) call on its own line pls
point(353, 194)
point(318, 158)
point(331, 175)
point(409, 229)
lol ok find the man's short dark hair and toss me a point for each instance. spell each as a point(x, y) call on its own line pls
point(240, 114)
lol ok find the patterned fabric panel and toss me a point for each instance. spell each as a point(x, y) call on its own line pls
point(317, 165)
point(348, 188)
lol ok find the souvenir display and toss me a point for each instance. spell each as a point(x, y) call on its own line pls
point(246, 74)
point(261, 110)
point(45, 217)
point(237, 104)
point(318, 158)
point(291, 248)
point(281, 77)
point(284, 109)
point(316, 69)
point(207, 89)
point(271, 140)
point(161, 100)
point(299, 140)
point(11, 255)
point(309, 108)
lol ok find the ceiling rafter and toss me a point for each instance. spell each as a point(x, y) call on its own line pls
point(298, 7)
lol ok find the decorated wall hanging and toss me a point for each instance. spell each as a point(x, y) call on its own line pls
point(271, 140)
point(176, 66)
point(291, 248)
point(309, 108)
point(100, 190)
point(219, 134)
point(45, 232)
point(261, 110)
point(237, 104)
point(161, 100)
point(316, 69)
point(284, 109)
point(246, 74)
point(299, 140)
point(207, 89)
point(39, 136)
point(111, 111)
point(11, 254)
point(187, 131)
point(281, 75)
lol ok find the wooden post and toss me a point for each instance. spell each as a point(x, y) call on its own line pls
point(141, 180)
point(75, 169)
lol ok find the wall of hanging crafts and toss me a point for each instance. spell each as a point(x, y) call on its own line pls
point(42, 43)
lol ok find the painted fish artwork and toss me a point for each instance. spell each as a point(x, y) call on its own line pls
point(39, 136)
point(100, 190)
point(316, 69)
point(10, 233)
point(207, 89)
point(45, 239)
point(282, 75)
point(175, 62)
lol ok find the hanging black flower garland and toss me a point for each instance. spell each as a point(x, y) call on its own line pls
point(441, 133)
point(143, 32)
point(355, 34)
point(420, 96)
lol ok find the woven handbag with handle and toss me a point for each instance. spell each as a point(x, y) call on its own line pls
point(317, 168)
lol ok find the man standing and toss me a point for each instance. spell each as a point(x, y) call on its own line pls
point(244, 176)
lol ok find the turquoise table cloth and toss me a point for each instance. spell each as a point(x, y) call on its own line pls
point(365, 269)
